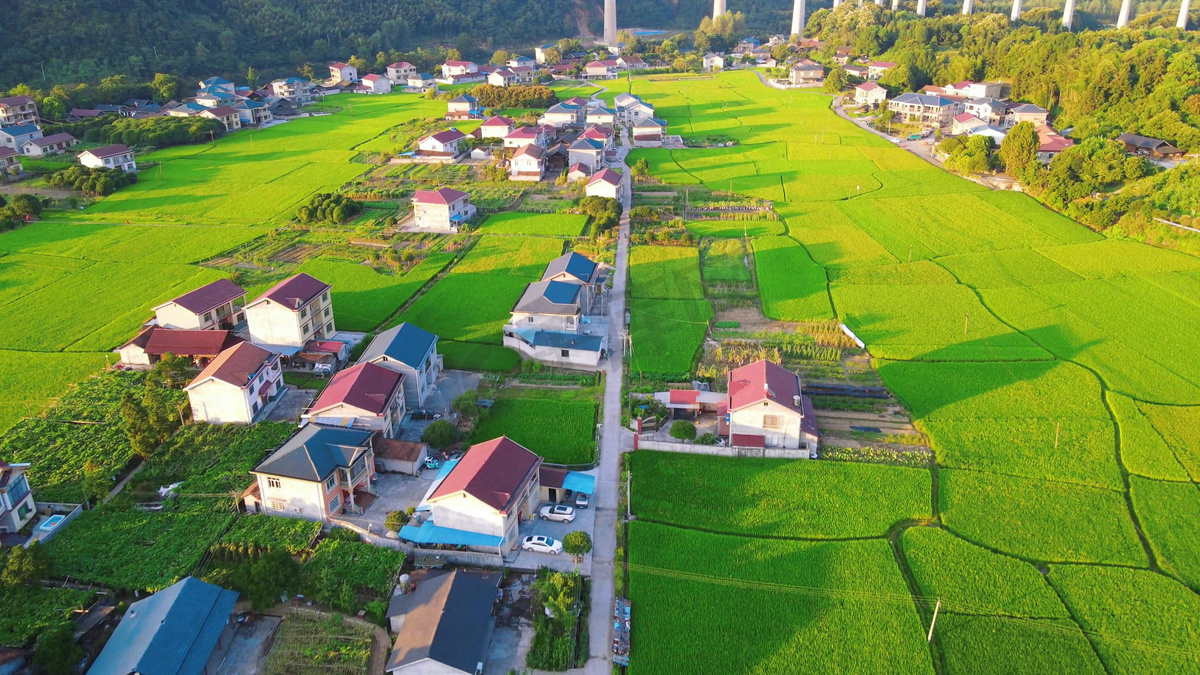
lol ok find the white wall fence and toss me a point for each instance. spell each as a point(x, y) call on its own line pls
point(722, 450)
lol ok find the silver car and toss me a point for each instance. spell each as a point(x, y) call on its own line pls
point(541, 544)
point(560, 512)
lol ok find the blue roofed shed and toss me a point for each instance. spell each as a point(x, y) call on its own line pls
point(172, 632)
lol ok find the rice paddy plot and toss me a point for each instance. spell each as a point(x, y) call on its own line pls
point(1004, 269)
point(841, 603)
point(666, 335)
point(724, 261)
point(1033, 213)
point(1169, 514)
point(1038, 519)
point(1000, 645)
point(544, 224)
point(1119, 258)
point(665, 272)
point(561, 431)
point(903, 274)
point(523, 257)
point(1139, 621)
point(938, 322)
point(832, 238)
point(1179, 426)
point(734, 228)
point(1144, 450)
point(29, 379)
point(467, 307)
point(777, 497)
point(363, 298)
point(127, 243)
point(792, 286)
point(476, 356)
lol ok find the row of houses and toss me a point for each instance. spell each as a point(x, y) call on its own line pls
point(557, 319)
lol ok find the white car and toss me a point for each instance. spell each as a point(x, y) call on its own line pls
point(559, 512)
point(541, 544)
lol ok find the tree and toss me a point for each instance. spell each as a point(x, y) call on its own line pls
point(683, 430)
point(499, 58)
point(25, 566)
point(136, 424)
point(57, 652)
point(465, 405)
point(265, 580)
point(577, 544)
point(440, 435)
point(1019, 148)
point(358, 62)
point(306, 71)
point(95, 484)
point(24, 205)
point(641, 168)
point(251, 77)
point(836, 81)
point(900, 78)
point(171, 371)
point(52, 108)
point(396, 520)
point(552, 56)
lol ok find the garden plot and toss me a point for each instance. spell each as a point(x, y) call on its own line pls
point(467, 307)
point(667, 335)
point(524, 257)
point(560, 429)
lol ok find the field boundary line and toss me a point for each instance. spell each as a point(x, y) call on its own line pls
point(775, 537)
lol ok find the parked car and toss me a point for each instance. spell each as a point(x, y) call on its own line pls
point(559, 512)
point(541, 544)
point(425, 415)
point(581, 500)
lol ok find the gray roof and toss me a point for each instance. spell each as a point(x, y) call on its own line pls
point(579, 266)
point(449, 621)
point(549, 297)
point(407, 343)
point(315, 451)
point(557, 340)
point(923, 99)
point(172, 632)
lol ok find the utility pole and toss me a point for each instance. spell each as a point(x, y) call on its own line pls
point(966, 322)
point(934, 622)
point(1057, 428)
point(628, 493)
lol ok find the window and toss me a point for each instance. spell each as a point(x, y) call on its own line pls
point(331, 481)
point(772, 422)
point(304, 313)
point(531, 319)
point(278, 505)
point(23, 511)
point(566, 353)
point(325, 296)
point(254, 408)
point(335, 503)
point(273, 483)
point(327, 312)
point(208, 316)
point(329, 327)
point(305, 328)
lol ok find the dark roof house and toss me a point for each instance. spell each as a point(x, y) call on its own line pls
point(406, 343)
point(447, 620)
point(315, 451)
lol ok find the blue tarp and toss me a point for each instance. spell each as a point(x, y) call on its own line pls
point(579, 482)
point(437, 480)
point(429, 534)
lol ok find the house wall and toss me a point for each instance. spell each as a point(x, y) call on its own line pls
point(428, 667)
point(273, 324)
point(588, 158)
point(495, 132)
point(337, 415)
point(294, 498)
point(604, 190)
point(219, 402)
point(749, 420)
point(526, 168)
point(574, 358)
point(412, 468)
point(124, 162)
point(554, 322)
point(417, 383)
point(22, 511)
point(134, 355)
point(176, 317)
point(464, 512)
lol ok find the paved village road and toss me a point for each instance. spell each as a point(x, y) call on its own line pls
point(606, 497)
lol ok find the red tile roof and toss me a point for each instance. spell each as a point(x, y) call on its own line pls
point(15, 101)
point(606, 176)
point(52, 139)
point(532, 150)
point(964, 117)
point(497, 121)
point(748, 441)
point(372, 77)
point(188, 342)
point(339, 65)
point(684, 396)
point(445, 196)
point(551, 477)
point(525, 132)
point(366, 386)
point(760, 381)
point(390, 448)
point(8, 152)
point(880, 64)
point(578, 166)
point(493, 472)
point(209, 296)
point(295, 292)
point(448, 135)
point(236, 364)
point(400, 64)
point(453, 64)
point(868, 86)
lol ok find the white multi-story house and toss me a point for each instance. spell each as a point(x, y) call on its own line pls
point(527, 163)
point(606, 183)
point(213, 306)
point(18, 110)
point(451, 69)
point(375, 84)
point(18, 135)
point(549, 322)
point(226, 115)
point(588, 152)
point(251, 112)
point(342, 72)
point(521, 136)
point(933, 111)
point(563, 114)
point(294, 311)
point(766, 409)
point(714, 61)
point(444, 144)
point(365, 396)
point(463, 107)
point(54, 144)
point(442, 210)
point(10, 162)
point(876, 69)
point(412, 351)
point(869, 93)
point(237, 387)
point(631, 109)
point(109, 157)
point(490, 490)
point(316, 474)
point(601, 70)
point(400, 71)
point(16, 500)
point(296, 88)
point(496, 127)
point(971, 89)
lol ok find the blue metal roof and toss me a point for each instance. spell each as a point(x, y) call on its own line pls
point(407, 343)
point(579, 482)
point(580, 267)
point(586, 343)
point(428, 533)
point(19, 129)
point(561, 292)
point(172, 632)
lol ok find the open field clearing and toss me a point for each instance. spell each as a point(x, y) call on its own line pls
point(766, 496)
point(546, 224)
point(524, 257)
point(1170, 516)
point(987, 645)
point(667, 334)
point(559, 427)
point(690, 588)
point(128, 243)
point(363, 298)
point(665, 273)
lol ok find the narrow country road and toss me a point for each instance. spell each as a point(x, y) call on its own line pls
point(605, 538)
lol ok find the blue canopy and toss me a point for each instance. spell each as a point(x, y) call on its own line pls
point(429, 534)
point(579, 482)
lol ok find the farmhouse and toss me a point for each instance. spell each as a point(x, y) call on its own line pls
point(109, 157)
point(860, 72)
point(18, 110)
point(317, 474)
point(842, 55)
point(214, 305)
point(631, 62)
point(226, 115)
point(648, 132)
point(602, 116)
point(876, 69)
point(632, 109)
point(291, 313)
point(16, 499)
point(601, 70)
point(53, 144)
point(766, 409)
point(10, 162)
point(237, 387)
point(444, 144)
point(527, 163)
point(933, 111)
point(522, 136)
point(973, 89)
point(562, 115)
point(366, 396)
point(463, 107)
point(520, 61)
point(420, 82)
point(714, 61)
point(1152, 147)
point(295, 88)
point(496, 127)
point(173, 632)
point(1050, 143)
point(342, 72)
point(807, 73)
point(965, 123)
point(587, 152)
point(1027, 112)
point(400, 71)
point(375, 84)
point(989, 110)
point(606, 183)
point(442, 210)
point(412, 351)
point(251, 112)
point(452, 69)
point(502, 77)
point(153, 343)
point(218, 83)
point(549, 323)
point(444, 626)
point(18, 135)
point(869, 94)
point(482, 500)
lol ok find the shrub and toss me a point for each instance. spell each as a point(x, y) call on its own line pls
point(683, 430)
point(707, 439)
point(333, 208)
point(396, 520)
point(440, 434)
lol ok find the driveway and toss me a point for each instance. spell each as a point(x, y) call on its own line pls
point(450, 385)
point(248, 648)
point(397, 492)
point(585, 519)
point(294, 401)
